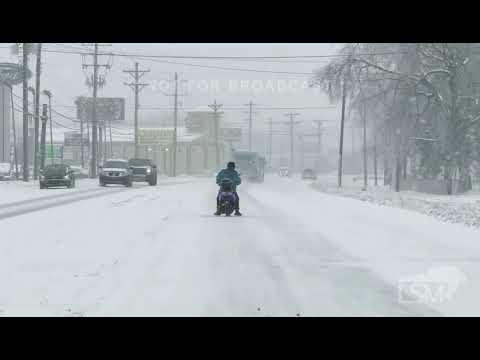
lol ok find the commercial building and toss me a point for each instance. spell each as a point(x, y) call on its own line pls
point(196, 145)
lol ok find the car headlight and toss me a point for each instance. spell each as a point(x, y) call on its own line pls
point(66, 177)
point(42, 177)
point(149, 170)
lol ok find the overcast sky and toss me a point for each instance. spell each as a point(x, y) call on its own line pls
point(63, 75)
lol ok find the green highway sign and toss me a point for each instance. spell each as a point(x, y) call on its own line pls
point(53, 152)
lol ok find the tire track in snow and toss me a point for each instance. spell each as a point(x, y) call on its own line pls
point(53, 202)
point(45, 198)
point(357, 287)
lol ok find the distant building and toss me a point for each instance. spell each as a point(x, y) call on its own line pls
point(196, 149)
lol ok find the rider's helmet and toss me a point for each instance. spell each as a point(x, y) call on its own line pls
point(231, 165)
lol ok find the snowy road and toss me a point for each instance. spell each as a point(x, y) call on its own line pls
point(159, 251)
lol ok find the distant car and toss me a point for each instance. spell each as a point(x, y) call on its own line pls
point(143, 170)
point(309, 174)
point(283, 171)
point(79, 172)
point(116, 172)
point(5, 171)
point(57, 175)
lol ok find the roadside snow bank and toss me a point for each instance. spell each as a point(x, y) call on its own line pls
point(464, 209)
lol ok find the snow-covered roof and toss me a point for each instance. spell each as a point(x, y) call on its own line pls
point(201, 108)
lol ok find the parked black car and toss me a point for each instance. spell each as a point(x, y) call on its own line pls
point(309, 174)
point(116, 172)
point(57, 175)
point(143, 170)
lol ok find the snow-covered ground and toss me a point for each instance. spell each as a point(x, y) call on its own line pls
point(160, 251)
point(11, 191)
point(460, 209)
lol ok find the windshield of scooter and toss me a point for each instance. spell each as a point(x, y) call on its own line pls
point(226, 185)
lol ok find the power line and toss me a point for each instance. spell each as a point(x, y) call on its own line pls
point(225, 108)
point(155, 57)
point(56, 123)
point(55, 111)
point(78, 50)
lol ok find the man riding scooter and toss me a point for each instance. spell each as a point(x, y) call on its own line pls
point(231, 174)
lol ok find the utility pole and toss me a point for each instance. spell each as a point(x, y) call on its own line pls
point(49, 95)
point(95, 136)
point(111, 139)
point(82, 156)
point(270, 141)
point(365, 172)
point(320, 131)
point(353, 142)
point(136, 87)
point(44, 119)
point(94, 114)
point(250, 118)
point(215, 108)
point(375, 161)
point(175, 124)
point(342, 126)
point(292, 124)
point(37, 108)
point(397, 159)
point(319, 135)
point(15, 153)
point(100, 143)
point(34, 133)
point(105, 153)
point(25, 110)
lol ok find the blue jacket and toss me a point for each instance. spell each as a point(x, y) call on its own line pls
point(231, 174)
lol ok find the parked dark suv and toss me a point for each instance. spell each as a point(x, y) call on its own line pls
point(115, 172)
point(57, 175)
point(143, 170)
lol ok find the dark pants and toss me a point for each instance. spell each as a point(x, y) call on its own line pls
point(237, 202)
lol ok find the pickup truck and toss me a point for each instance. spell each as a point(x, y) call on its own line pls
point(143, 170)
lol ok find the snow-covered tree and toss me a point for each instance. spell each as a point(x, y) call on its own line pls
point(418, 93)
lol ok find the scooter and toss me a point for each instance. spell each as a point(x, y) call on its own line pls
point(226, 197)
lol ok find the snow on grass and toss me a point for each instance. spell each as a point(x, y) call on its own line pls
point(458, 209)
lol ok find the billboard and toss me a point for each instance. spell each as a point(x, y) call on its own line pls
point(231, 134)
point(107, 109)
point(196, 123)
point(73, 138)
point(155, 136)
point(202, 121)
point(68, 153)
